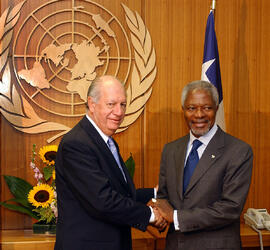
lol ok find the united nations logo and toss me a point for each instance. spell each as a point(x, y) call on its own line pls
point(57, 54)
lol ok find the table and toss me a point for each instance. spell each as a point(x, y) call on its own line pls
point(25, 239)
point(249, 237)
point(149, 240)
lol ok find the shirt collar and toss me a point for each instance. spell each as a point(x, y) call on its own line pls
point(104, 137)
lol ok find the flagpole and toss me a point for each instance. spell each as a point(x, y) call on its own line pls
point(210, 66)
point(213, 7)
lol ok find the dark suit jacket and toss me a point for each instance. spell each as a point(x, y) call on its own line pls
point(97, 208)
point(209, 211)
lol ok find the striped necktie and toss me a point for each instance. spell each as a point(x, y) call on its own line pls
point(113, 149)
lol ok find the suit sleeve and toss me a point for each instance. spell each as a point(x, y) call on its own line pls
point(91, 185)
point(162, 186)
point(144, 194)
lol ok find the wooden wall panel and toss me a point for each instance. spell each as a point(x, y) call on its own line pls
point(179, 45)
point(177, 29)
point(242, 29)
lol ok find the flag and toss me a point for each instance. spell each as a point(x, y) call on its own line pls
point(210, 67)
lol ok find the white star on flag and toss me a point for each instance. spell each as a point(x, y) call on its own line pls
point(205, 67)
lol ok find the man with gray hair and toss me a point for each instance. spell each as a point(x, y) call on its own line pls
point(204, 178)
point(96, 198)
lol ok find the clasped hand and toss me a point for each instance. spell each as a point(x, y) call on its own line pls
point(163, 213)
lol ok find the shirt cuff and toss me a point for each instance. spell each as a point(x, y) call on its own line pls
point(175, 221)
point(155, 193)
point(152, 217)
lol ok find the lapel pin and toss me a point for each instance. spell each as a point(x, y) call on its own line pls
point(213, 156)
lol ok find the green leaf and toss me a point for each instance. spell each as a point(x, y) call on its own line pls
point(20, 209)
point(47, 171)
point(23, 202)
point(46, 214)
point(130, 164)
point(18, 187)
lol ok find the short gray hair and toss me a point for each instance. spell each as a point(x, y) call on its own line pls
point(204, 85)
point(94, 89)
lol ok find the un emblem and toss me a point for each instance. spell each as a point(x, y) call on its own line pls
point(57, 54)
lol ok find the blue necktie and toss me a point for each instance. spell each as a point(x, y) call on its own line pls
point(113, 149)
point(191, 163)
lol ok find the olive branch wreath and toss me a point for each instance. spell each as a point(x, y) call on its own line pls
point(15, 108)
point(20, 114)
point(144, 71)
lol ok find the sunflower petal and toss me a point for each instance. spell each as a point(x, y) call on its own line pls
point(48, 153)
point(41, 195)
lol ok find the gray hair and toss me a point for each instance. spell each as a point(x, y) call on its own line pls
point(94, 89)
point(204, 85)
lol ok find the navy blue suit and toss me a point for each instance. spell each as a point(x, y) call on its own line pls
point(97, 208)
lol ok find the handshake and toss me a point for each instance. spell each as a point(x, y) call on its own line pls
point(163, 212)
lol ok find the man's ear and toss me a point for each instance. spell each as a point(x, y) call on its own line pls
point(91, 104)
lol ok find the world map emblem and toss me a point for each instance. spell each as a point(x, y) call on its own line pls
point(57, 54)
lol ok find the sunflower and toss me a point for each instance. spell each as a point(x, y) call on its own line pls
point(48, 154)
point(53, 174)
point(41, 195)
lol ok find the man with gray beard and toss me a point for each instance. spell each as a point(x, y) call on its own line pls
point(204, 178)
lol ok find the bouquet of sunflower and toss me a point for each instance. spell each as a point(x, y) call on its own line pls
point(38, 201)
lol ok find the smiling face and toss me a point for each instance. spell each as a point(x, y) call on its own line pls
point(109, 111)
point(199, 111)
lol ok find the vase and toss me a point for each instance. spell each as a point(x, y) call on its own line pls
point(42, 228)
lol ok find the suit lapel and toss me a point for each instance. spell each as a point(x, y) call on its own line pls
point(129, 182)
point(106, 153)
point(120, 175)
point(211, 154)
point(179, 156)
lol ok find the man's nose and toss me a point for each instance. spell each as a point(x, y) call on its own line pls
point(118, 110)
point(199, 112)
